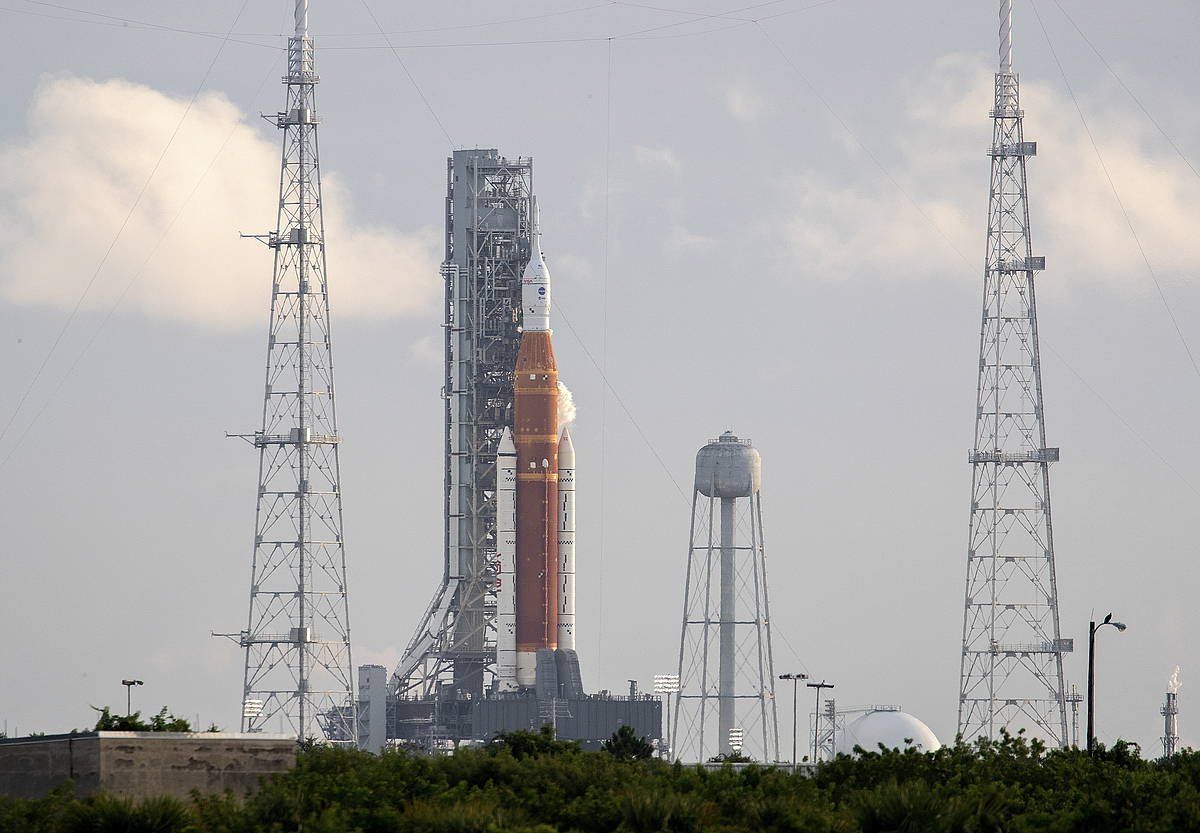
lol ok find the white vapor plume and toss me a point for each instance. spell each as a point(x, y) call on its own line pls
point(66, 185)
point(1176, 681)
point(566, 406)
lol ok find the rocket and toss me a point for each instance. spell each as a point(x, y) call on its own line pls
point(535, 500)
point(535, 434)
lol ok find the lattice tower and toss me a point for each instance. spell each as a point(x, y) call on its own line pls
point(1012, 648)
point(298, 672)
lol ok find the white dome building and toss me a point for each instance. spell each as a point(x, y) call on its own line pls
point(887, 725)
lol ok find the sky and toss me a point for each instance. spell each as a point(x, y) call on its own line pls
point(774, 227)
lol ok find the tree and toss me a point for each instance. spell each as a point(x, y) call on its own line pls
point(626, 745)
point(532, 744)
point(731, 758)
point(161, 722)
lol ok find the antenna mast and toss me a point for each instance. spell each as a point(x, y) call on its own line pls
point(1012, 651)
point(298, 668)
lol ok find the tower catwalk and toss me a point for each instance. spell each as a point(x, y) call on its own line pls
point(297, 641)
point(1012, 651)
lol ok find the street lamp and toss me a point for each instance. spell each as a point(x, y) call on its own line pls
point(129, 684)
point(817, 714)
point(795, 678)
point(667, 684)
point(1091, 695)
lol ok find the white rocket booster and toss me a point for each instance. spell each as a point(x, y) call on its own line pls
point(506, 554)
point(566, 542)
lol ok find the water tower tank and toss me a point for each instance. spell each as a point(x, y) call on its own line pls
point(728, 467)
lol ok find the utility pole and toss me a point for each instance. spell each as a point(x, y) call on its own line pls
point(817, 715)
point(795, 678)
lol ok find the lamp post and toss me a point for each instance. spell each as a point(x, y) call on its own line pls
point(817, 715)
point(795, 678)
point(1091, 694)
point(667, 684)
point(129, 684)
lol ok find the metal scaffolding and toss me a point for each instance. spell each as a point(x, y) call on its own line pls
point(1012, 648)
point(488, 218)
point(297, 641)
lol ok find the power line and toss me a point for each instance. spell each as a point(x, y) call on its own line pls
point(1128, 91)
point(603, 367)
point(730, 15)
point(862, 145)
point(484, 25)
point(116, 237)
point(1112, 410)
point(117, 22)
point(607, 385)
point(407, 72)
point(122, 22)
point(1116, 195)
point(136, 24)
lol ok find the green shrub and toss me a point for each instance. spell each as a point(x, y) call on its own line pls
point(527, 782)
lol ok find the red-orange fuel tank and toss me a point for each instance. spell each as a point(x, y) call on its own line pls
point(535, 432)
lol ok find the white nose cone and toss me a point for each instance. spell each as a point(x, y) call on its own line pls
point(535, 285)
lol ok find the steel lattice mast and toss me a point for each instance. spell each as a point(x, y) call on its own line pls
point(298, 668)
point(1012, 653)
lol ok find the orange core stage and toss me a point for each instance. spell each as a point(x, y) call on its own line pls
point(535, 433)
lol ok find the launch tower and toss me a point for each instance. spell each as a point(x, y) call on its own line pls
point(488, 234)
point(726, 667)
point(1012, 649)
point(494, 651)
point(297, 641)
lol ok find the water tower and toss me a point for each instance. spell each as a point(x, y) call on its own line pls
point(726, 696)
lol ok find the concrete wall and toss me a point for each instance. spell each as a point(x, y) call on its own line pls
point(32, 767)
point(142, 764)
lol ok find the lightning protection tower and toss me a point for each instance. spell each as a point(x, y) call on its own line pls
point(1012, 649)
point(488, 212)
point(297, 641)
point(726, 668)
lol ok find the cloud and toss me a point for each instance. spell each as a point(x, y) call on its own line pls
point(867, 227)
point(682, 241)
point(744, 103)
point(66, 187)
point(657, 158)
